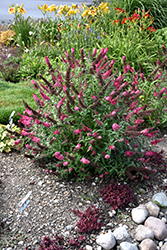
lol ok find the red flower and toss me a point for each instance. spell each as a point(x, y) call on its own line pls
point(151, 29)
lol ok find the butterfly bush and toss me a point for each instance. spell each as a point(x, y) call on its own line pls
point(89, 119)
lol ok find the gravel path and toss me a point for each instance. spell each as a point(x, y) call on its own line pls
point(51, 202)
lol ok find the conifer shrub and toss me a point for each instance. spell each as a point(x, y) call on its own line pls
point(89, 118)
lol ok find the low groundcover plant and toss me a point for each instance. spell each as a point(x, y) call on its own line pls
point(116, 195)
point(89, 118)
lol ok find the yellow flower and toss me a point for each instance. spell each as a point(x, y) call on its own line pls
point(52, 8)
point(11, 11)
point(92, 13)
point(21, 9)
point(44, 8)
point(71, 12)
point(74, 6)
point(85, 13)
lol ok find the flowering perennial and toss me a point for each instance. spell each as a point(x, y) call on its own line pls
point(100, 138)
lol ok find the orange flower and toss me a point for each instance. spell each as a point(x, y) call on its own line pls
point(117, 21)
point(124, 20)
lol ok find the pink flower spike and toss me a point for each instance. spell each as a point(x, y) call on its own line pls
point(36, 139)
point(99, 137)
point(60, 157)
point(57, 165)
point(76, 108)
point(94, 153)
point(145, 131)
point(93, 97)
point(56, 154)
point(51, 171)
point(28, 146)
point(77, 131)
point(65, 163)
point(61, 102)
point(70, 169)
point(138, 121)
point(47, 125)
point(149, 153)
point(84, 160)
point(111, 147)
point(47, 62)
point(37, 121)
point(107, 156)
point(106, 173)
point(86, 128)
point(45, 97)
point(98, 122)
point(155, 142)
point(72, 51)
point(115, 126)
point(78, 146)
point(47, 170)
point(90, 148)
point(101, 176)
point(17, 142)
point(129, 153)
point(64, 88)
point(94, 52)
point(82, 169)
point(56, 132)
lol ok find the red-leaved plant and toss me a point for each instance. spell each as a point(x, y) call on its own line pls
point(90, 220)
point(58, 243)
point(89, 118)
point(116, 195)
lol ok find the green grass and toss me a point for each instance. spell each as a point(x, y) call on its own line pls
point(11, 99)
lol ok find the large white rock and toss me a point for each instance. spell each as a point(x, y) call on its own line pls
point(121, 234)
point(164, 247)
point(160, 199)
point(158, 227)
point(107, 241)
point(148, 244)
point(143, 233)
point(139, 214)
point(153, 209)
point(128, 246)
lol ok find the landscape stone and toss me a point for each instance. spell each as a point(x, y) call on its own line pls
point(158, 227)
point(143, 233)
point(107, 241)
point(121, 234)
point(164, 247)
point(128, 246)
point(139, 214)
point(88, 247)
point(160, 198)
point(147, 244)
point(153, 209)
